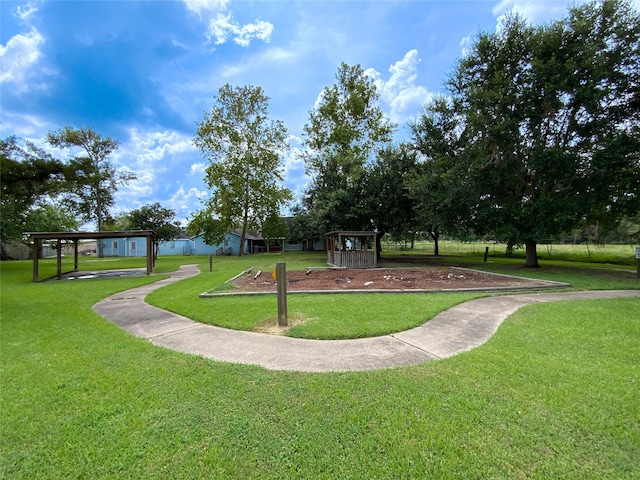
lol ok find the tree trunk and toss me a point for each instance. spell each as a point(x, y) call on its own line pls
point(99, 245)
point(379, 245)
point(434, 233)
point(531, 260)
point(243, 237)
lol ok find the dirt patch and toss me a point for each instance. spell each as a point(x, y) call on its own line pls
point(382, 279)
point(271, 327)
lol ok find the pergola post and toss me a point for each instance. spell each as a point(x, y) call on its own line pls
point(75, 255)
point(150, 257)
point(36, 256)
point(59, 257)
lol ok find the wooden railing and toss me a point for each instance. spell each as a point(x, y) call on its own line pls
point(352, 258)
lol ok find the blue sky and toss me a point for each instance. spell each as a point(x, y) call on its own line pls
point(144, 72)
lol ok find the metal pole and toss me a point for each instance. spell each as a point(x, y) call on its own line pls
point(281, 279)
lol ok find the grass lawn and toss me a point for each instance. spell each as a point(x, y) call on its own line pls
point(554, 394)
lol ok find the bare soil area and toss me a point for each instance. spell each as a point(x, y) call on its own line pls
point(441, 278)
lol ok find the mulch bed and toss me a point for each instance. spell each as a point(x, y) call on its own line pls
point(441, 278)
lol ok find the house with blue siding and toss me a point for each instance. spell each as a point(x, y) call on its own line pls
point(253, 243)
point(180, 245)
point(230, 245)
point(124, 247)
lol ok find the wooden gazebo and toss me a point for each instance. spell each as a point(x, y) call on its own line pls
point(352, 249)
point(75, 237)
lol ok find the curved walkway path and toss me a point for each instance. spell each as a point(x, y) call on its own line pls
point(456, 330)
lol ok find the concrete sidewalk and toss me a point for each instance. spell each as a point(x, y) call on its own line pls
point(456, 330)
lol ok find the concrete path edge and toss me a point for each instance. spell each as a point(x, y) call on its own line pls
point(461, 328)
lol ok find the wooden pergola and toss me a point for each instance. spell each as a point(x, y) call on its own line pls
point(75, 237)
point(352, 249)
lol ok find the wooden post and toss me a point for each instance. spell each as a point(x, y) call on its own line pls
point(150, 259)
point(59, 255)
point(281, 279)
point(75, 255)
point(211, 262)
point(36, 258)
point(486, 254)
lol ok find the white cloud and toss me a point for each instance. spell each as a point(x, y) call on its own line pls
point(18, 57)
point(134, 190)
point(24, 125)
point(221, 25)
point(197, 168)
point(186, 202)
point(149, 148)
point(465, 45)
point(200, 6)
point(400, 92)
point(24, 12)
point(152, 156)
point(534, 11)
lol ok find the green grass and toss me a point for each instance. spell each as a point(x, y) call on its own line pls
point(325, 316)
point(554, 394)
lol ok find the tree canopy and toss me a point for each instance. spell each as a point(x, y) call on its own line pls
point(344, 133)
point(28, 176)
point(545, 126)
point(157, 218)
point(93, 180)
point(244, 148)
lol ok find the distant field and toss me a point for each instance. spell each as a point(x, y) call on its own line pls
point(618, 254)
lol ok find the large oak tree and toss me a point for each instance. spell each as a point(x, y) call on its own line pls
point(550, 121)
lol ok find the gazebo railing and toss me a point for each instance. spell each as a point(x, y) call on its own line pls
point(353, 259)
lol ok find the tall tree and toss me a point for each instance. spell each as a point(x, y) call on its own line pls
point(440, 184)
point(386, 198)
point(28, 175)
point(94, 180)
point(244, 149)
point(345, 131)
point(551, 121)
point(157, 218)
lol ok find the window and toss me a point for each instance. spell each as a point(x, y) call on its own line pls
point(133, 245)
point(115, 246)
